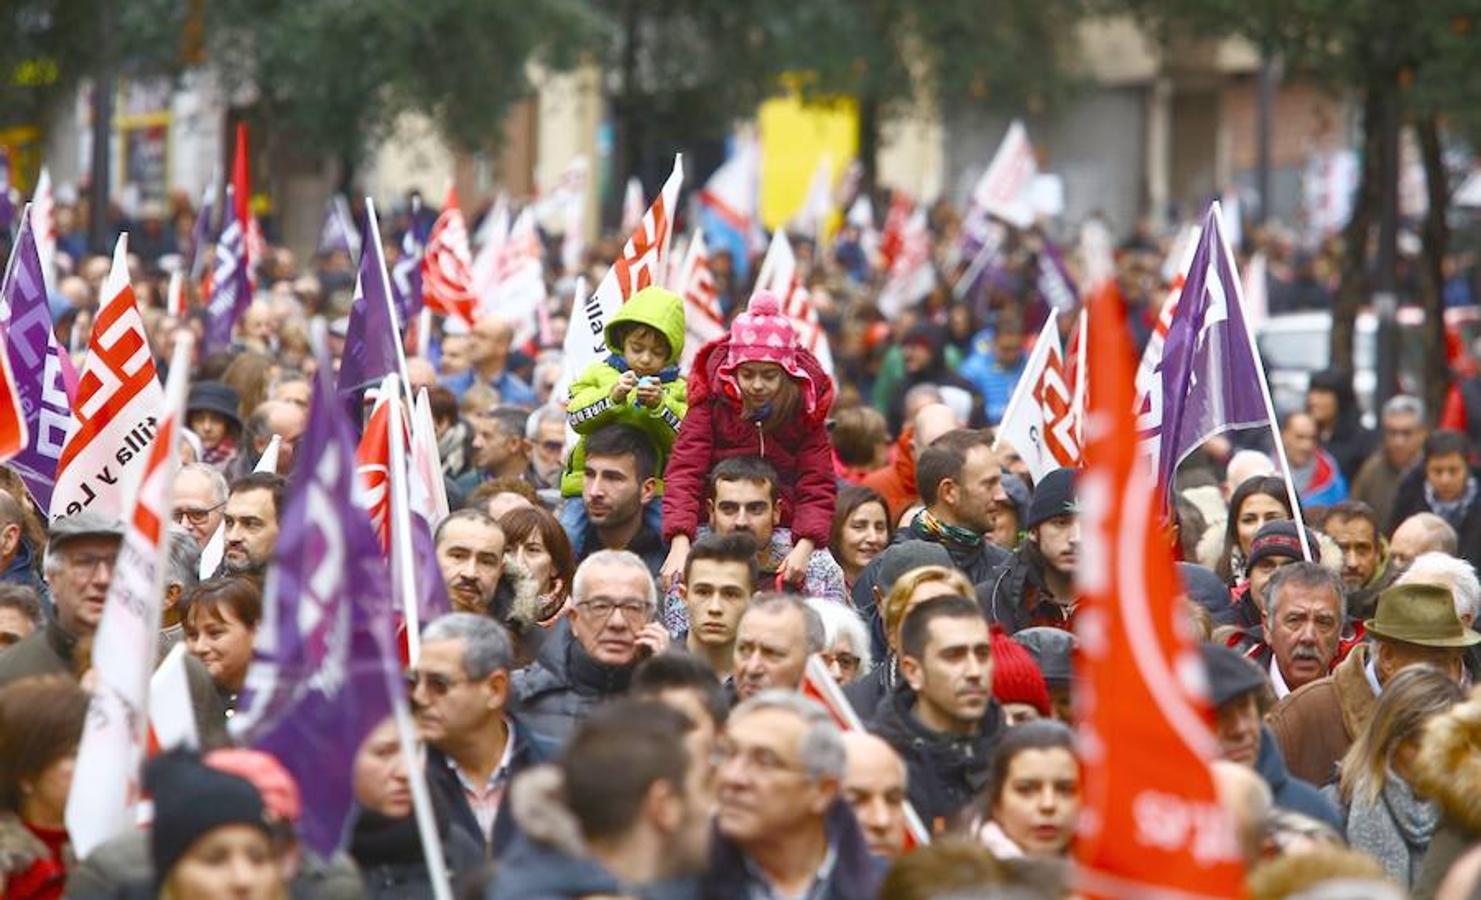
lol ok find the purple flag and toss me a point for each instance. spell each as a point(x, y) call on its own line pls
point(7, 205)
point(1210, 378)
point(231, 292)
point(201, 234)
point(432, 600)
point(36, 361)
point(406, 275)
point(372, 338)
point(1053, 281)
point(323, 668)
point(338, 230)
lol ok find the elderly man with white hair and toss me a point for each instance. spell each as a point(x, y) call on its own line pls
point(611, 629)
point(1459, 577)
point(782, 827)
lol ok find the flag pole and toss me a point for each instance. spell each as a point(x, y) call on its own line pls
point(1081, 380)
point(380, 266)
point(421, 800)
point(1292, 497)
point(400, 524)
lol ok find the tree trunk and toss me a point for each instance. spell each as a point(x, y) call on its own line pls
point(625, 119)
point(1435, 242)
point(868, 143)
point(1352, 288)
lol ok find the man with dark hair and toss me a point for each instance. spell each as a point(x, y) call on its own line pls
point(1366, 571)
point(744, 499)
point(20, 613)
point(685, 683)
point(459, 691)
point(18, 559)
point(1036, 585)
point(251, 522)
point(634, 786)
point(943, 720)
point(470, 554)
point(719, 579)
point(1402, 447)
point(961, 484)
point(1316, 475)
point(775, 636)
point(619, 487)
point(1446, 486)
point(500, 448)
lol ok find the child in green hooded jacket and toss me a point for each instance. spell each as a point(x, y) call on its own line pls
point(638, 384)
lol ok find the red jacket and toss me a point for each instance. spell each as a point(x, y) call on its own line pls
point(896, 481)
point(714, 429)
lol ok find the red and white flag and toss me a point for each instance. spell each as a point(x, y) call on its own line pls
point(819, 685)
point(255, 246)
point(1151, 825)
point(1005, 190)
point(447, 277)
point(373, 462)
point(911, 275)
point(428, 490)
point(781, 275)
point(1148, 402)
point(493, 232)
point(516, 286)
point(642, 263)
point(116, 412)
point(1040, 421)
point(175, 296)
point(892, 236)
point(632, 205)
point(703, 321)
point(115, 736)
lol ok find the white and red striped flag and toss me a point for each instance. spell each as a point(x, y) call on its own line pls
point(819, 685)
point(911, 275)
point(892, 236)
point(632, 205)
point(641, 264)
point(115, 736)
point(1040, 421)
point(447, 277)
point(516, 285)
point(703, 321)
point(780, 275)
point(116, 411)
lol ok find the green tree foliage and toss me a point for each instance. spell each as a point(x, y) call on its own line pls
point(335, 74)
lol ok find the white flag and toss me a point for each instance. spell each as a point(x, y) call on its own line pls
point(428, 490)
point(115, 737)
point(912, 275)
point(171, 712)
point(115, 414)
point(516, 286)
point(632, 205)
point(1040, 420)
point(642, 263)
point(1006, 188)
point(780, 275)
point(44, 226)
point(818, 202)
point(703, 321)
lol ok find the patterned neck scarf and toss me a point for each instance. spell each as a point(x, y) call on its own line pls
point(943, 533)
point(1452, 511)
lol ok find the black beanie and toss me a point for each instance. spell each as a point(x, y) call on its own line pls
point(190, 800)
point(1054, 495)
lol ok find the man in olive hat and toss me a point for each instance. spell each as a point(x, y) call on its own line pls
point(1414, 624)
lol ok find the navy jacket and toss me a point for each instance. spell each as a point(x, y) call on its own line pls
point(530, 749)
point(856, 874)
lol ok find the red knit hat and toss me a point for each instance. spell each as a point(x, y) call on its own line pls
point(1015, 676)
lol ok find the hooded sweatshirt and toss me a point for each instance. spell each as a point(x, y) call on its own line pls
point(591, 407)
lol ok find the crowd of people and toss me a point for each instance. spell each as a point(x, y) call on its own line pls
point(616, 704)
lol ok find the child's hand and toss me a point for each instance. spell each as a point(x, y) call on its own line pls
point(624, 386)
point(794, 567)
point(650, 392)
point(672, 571)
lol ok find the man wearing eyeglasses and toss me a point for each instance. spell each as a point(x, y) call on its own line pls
point(591, 656)
point(459, 692)
point(199, 501)
point(782, 826)
point(79, 567)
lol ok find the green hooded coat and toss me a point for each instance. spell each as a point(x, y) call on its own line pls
point(591, 407)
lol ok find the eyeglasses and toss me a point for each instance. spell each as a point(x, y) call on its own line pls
point(636, 612)
point(847, 662)
point(87, 563)
point(196, 516)
point(437, 684)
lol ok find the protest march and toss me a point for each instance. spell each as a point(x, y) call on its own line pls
point(959, 550)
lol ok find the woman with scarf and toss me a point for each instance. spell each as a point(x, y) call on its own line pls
point(1384, 816)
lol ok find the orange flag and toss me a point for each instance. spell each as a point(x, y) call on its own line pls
point(1151, 824)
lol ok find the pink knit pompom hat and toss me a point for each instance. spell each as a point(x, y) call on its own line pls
point(763, 334)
